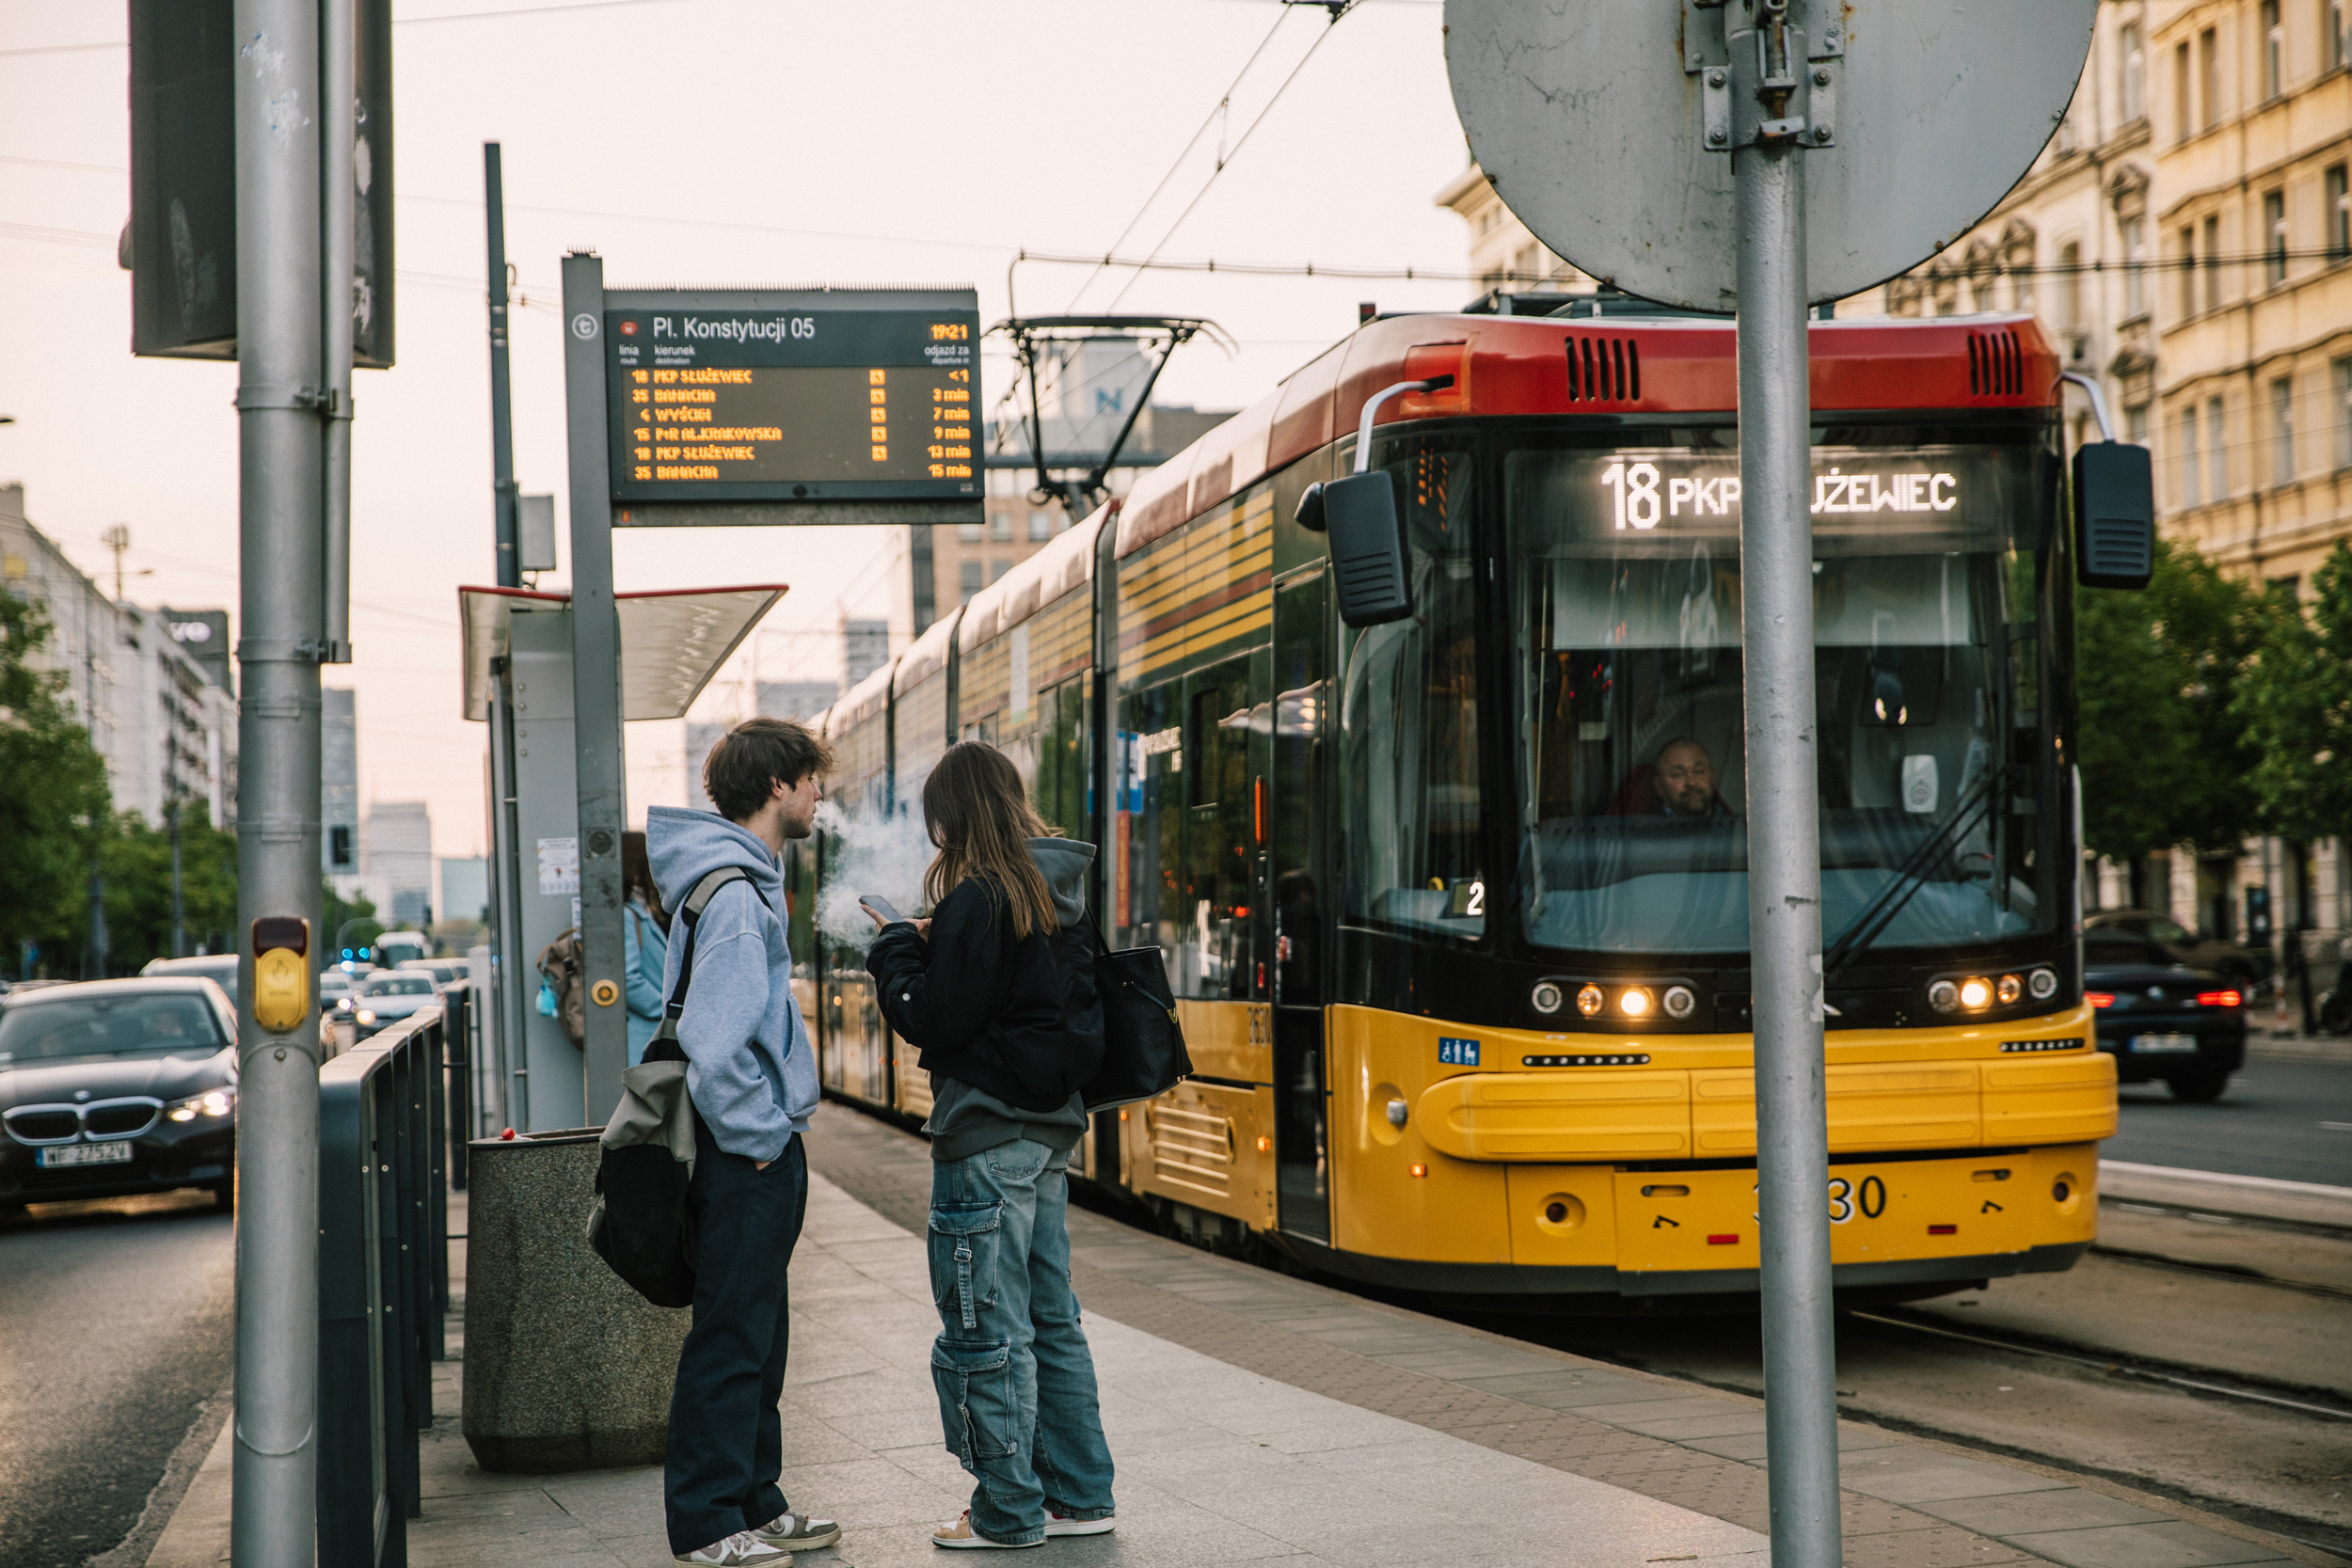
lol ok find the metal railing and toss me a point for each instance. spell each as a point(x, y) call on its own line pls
point(382, 1285)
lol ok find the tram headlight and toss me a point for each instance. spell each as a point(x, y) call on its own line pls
point(1944, 996)
point(1634, 1002)
point(1976, 993)
point(1681, 1001)
point(1590, 999)
point(2043, 984)
point(1546, 998)
point(2011, 987)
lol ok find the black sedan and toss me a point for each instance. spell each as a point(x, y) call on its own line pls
point(117, 1088)
point(2159, 1019)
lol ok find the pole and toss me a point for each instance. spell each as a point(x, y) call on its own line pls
point(502, 393)
point(339, 131)
point(513, 1058)
point(179, 906)
point(595, 687)
point(280, 390)
point(1783, 838)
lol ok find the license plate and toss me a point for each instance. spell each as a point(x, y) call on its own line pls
point(2163, 1045)
point(86, 1154)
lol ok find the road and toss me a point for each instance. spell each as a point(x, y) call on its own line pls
point(2288, 1120)
point(116, 1320)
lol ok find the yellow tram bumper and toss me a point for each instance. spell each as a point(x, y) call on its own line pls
point(1944, 1148)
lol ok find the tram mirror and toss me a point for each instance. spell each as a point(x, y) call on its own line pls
point(1367, 549)
point(2115, 515)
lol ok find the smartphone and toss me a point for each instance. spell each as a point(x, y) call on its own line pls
point(880, 906)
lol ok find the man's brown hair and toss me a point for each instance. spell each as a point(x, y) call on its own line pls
point(743, 769)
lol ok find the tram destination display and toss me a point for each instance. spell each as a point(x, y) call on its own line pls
point(808, 397)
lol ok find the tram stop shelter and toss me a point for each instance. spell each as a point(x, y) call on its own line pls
point(518, 646)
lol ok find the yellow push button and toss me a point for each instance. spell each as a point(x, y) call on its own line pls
point(281, 972)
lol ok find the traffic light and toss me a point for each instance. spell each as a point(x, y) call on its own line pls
point(181, 245)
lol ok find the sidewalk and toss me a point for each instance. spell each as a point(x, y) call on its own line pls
point(1265, 1419)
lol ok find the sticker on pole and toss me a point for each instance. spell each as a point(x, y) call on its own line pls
point(1608, 127)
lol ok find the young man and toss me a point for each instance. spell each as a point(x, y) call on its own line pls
point(752, 1073)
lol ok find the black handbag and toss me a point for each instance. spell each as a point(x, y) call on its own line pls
point(1143, 1045)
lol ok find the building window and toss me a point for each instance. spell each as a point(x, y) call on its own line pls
point(2209, 78)
point(2135, 267)
point(2217, 450)
point(2340, 374)
point(2213, 264)
point(1041, 525)
point(968, 578)
point(2135, 424)
point(2192, 481)
point(2274, 49)
point(967, 533)
point(1000, 525)
point(2288, 587)
point(2275, 237)
point(2134, 69)
point(2331, 42)
point(2070, 286)
point(2339, 212)
point(2189, 269)
point(996, 572)
point(2282, 431)
point(2183, 120)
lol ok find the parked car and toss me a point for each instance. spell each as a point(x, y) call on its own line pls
point(389, 995)
point(219, 968)
point(2232, 960)
point(113, 1087)
point(2160, 1019)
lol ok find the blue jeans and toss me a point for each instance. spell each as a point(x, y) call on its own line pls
point(1016, 1381)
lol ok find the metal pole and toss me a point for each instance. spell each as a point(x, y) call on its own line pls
point(501, 392)
point(279, 392)
point(1784, 842)
point(595, 687)
point(339, 195)
point(514, 1057)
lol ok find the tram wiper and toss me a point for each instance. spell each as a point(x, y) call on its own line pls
point(1908, 878)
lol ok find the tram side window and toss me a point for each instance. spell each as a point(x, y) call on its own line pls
point(1058, 787)
point(1148, 825)
point(1410, 719)
point(1220, 845)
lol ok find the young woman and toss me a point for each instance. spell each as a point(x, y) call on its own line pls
point(996, 989)
point(645, 944)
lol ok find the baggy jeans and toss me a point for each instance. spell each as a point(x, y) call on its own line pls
point(726, 1439)
point(1017, 1400)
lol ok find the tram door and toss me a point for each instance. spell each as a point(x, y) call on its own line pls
point(1300, 896)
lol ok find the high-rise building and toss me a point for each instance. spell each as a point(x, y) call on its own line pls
point(465, 889)
point(864, 648)
point(339, 781)
point(397, 861)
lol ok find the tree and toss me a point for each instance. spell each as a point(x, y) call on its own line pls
point(55, 806)
point(137, 859)
point(2297, 704)
point(2164, 750)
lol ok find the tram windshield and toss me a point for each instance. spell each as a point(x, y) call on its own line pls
point(1936, 784)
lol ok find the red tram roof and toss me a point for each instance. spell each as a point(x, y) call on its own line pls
point(1514, 365)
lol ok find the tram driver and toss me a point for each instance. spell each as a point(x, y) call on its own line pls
point(1684, 778)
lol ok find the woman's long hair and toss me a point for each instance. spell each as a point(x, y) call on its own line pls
point(980, 817)
point(637, 879)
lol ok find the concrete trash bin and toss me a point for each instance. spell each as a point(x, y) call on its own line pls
point(566, 1367)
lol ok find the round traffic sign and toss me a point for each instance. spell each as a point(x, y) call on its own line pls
point(1590, 117)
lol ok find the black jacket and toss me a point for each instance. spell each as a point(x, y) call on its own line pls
point(1015, 1017)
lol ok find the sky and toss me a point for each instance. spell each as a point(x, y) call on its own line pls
point(731, 143)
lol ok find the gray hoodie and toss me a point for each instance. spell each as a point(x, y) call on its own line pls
point(965, 1120)
point(750, 1068)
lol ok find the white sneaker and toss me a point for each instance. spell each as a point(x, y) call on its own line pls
point(793, 1531)
point(740, 1550)
point(1060, 1524)
point(961, 1537)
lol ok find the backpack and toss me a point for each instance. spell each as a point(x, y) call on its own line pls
point(560, 965)
point(640, 1224)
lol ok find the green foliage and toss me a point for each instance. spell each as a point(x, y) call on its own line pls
point(137, 859)
point(2297, 704)
point(2165, 748)
point(55, 806)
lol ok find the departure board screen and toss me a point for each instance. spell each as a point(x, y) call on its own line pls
point(857, 395)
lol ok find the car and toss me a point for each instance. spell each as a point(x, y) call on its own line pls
point(111, 1088)
point(2160, 1019)
point(2232, 960)
point(386, 997)
point(445, 971)
point(219, 968)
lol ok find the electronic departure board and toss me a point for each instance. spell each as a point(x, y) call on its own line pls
point(806, 396)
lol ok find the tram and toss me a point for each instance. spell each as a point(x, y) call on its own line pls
point(1456, 905)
